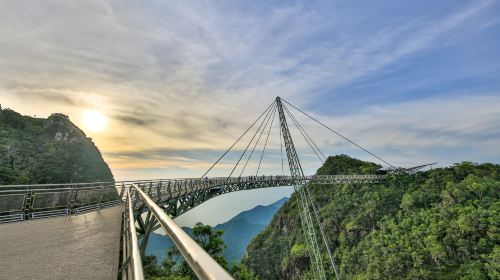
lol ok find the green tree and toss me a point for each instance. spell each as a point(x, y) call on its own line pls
point(175, 267)
point(241, 272)
point(439, 224)
point(52, 150)
point(210, 240)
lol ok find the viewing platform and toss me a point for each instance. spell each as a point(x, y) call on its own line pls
point(84, 246)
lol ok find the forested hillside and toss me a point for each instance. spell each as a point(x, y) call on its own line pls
point(52, 150)
point(439, 224)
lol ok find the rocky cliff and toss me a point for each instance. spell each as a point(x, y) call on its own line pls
point(52, 150)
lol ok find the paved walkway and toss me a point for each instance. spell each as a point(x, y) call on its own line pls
point(82, 246)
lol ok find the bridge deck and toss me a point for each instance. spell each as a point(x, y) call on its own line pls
point(82, 246)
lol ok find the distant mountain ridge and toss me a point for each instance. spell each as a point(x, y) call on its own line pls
point(238, 232)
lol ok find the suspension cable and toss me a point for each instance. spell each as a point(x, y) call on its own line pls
point(265, 144)
point(258, 129)
point(310, 200)
point(315, 210)
point(340, 135)
point(323, 234)
point(206, 172)
point(298, 127)
point(256, 143)
point(309, 196)
point(305, 132)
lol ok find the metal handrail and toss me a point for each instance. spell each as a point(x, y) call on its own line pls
point(172, 187)
point(223, 179)
point(187, 184)
point(134, 254)
point(202, 264)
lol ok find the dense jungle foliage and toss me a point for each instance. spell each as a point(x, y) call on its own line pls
point(52, 150)
point(439, 224)
point(174, 267)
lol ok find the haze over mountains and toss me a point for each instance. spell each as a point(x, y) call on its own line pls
point(238, 232)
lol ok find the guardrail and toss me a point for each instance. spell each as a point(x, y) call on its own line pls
point(26, 202)
point(131, 264)
point(202, 264)
point(21, 202)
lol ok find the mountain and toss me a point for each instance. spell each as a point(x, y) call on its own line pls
point(243, 227)
point(237, 232)
point(52, 150)
point(158, 244)
point(439, 224)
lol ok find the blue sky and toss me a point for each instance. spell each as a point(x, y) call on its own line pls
point(413, 81)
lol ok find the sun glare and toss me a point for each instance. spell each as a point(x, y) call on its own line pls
point(94, 121)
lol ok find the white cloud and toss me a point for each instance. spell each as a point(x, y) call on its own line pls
point(460, 128)
point(196, 74)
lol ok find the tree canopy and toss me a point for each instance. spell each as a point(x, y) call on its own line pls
point(174, 267)
point(52, 150)
point(438, 224)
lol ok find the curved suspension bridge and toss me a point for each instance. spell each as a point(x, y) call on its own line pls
point(101, 230)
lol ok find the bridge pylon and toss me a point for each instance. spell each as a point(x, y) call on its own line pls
point(300, 187)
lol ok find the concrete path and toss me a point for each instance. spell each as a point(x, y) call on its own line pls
point(82, 246)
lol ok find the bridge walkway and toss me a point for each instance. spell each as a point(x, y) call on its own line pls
point(84, 246)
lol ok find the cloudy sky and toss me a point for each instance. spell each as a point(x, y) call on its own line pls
point(179, 81)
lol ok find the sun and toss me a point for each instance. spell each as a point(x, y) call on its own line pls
point(94, 121)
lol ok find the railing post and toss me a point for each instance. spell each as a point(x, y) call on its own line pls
point(150, 188)
point(28, 202)
point(158, 190)
point(122, 191)
point(72, 198)
point(101, 191)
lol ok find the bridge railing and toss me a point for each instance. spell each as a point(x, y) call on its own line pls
point(130, 263)
point(202, 264)
point(183, 186)
point(334, 179)
point(20, 202)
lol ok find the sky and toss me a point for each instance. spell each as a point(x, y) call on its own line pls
point(180, 81)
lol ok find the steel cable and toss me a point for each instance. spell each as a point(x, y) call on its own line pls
point(307, 134)
point(244, 133)
point(340, 135)
point(265, 144)
point(258, 129)
point(256, 143)
point(298, 127)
